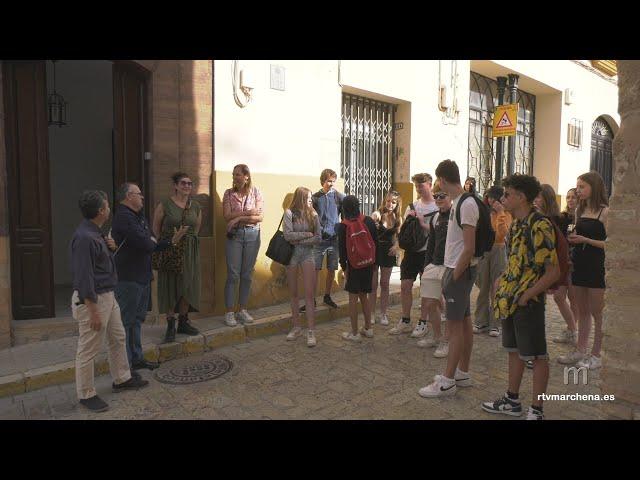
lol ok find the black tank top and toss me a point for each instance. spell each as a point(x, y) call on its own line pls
point(385, 235)
point(590, 228)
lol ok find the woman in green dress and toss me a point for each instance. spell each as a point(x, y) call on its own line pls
point(179, 292)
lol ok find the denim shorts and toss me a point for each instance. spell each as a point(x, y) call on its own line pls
point(523, 331)
point(328, 248)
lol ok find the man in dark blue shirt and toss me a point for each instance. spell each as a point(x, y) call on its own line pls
point(131, 232)
point(94, 305)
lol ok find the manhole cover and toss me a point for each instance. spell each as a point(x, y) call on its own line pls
point(194, 371)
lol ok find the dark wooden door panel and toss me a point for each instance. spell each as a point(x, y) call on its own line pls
point(29, 190)
point(130, 128)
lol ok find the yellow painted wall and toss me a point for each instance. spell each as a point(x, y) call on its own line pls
point(269, 280)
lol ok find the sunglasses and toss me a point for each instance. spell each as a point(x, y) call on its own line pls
point(186, 184)
point(440, 196)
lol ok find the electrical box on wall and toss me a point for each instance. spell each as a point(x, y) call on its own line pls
point(277, 77)
point(246, 79)
point(569, 96)
point(444, 99)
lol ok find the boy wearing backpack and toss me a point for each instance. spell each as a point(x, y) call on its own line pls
point(357, 243)
point(469, 236)
point(532, 268)
point(413, 239)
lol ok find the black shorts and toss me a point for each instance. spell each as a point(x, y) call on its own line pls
point(359, 280)
point(412, 265)
point(523, 332)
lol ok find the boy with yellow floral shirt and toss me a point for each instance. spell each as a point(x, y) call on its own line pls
point(532, 267)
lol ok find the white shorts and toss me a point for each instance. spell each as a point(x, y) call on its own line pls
point(431, 281)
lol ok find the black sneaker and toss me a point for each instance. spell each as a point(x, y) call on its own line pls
point(134, 383)
point(504, 405)
point(303, 308)
point(185, 327)
point(144, 364)
point(328, 301)
point(95, 404)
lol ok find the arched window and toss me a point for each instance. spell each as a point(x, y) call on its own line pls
point(601, 156)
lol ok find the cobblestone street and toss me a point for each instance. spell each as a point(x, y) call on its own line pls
point(276, 379)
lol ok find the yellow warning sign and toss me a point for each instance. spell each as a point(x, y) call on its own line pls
point(505, 120)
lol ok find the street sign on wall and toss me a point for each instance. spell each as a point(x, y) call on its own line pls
point(505, 120)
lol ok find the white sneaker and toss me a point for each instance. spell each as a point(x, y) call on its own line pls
point(351, 337)
point(462, 379)
point(420, 330)
point(401, 327)
point(494, 332)
point(479, 329)
point(534, 414)
point(311, 339)
point(244, 316)
point(384, 320)
point(567, 336)
point(443, 349)
point(230, 319)
point(571, 358)
point(294, 333)
point(366, 333)
point(439, 388)
point(428, 341)
point(591, 362)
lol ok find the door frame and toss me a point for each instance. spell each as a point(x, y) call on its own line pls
point(10, 138)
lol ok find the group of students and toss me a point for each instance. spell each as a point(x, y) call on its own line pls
point(513, 244)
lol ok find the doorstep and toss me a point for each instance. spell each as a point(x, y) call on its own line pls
point(38, 365)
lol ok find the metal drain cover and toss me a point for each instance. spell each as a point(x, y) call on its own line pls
point(185, 372)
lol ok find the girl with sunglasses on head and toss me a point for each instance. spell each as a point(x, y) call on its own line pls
point(179, 292)
point(388, 220)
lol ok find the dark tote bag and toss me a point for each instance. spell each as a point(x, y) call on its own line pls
point(279, 249)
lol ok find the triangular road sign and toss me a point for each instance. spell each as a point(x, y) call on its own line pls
point(504, 121)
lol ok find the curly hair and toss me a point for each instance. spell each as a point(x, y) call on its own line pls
point(526, 184)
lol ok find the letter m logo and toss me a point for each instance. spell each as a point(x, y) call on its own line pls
point(576, 375)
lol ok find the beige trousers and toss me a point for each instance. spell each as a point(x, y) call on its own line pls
point(90, 342)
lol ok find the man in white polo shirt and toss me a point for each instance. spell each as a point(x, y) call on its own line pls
point(457, 283)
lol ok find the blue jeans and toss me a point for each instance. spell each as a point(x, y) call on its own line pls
point(133, 299)
point(242, 253)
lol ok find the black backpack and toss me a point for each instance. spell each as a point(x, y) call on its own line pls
point(485, 234)
point(412, 236)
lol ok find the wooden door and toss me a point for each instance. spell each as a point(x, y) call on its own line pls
point(130, 136)
point(25, 97)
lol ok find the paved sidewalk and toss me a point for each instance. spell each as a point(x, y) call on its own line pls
point(276, 379)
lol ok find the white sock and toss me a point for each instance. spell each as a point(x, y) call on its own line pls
point(448, 380)
point(460, 373)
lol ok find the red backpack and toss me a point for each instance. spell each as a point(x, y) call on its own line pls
point(361, 249)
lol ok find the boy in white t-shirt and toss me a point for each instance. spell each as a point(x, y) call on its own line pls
point(457, 283)
point(413, 262)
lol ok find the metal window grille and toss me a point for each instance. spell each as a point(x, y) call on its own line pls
point(574, 133)
point(367, 149)
point(483, 98)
